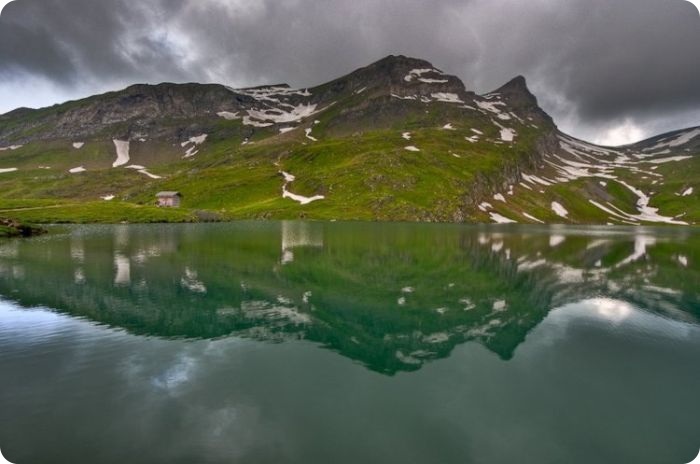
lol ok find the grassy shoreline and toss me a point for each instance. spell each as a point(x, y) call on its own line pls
point(41, 212)
point(25, 213)
point(11, 228)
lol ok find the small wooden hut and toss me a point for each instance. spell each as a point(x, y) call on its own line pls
point(169, 199)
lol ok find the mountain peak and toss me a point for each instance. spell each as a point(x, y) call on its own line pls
point(517, 87)
point(517, 94)
point(401, 61)
point(518, 83)
point(397, 75)
point(395, 66)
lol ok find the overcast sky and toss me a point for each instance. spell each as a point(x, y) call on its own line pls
point(609, 71)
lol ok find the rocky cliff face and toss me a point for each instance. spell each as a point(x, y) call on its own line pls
point(164, 109)
point(139, 108)
point(517, 96)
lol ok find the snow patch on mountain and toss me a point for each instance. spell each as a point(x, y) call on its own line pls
point(417, 74)
point(433, 81)
point(250, 122)
point(143, 170)
point(507, 134)
point(122, 147)
point(279, 116)
point(490, 106)
point(148, 174)
point(646, 212)
point(670, 159)
point(307, 133)
point(289, 178)
point(499, 219)
point(273, 94)
point(228, 115)
point(270, 116)
point(197, 140)
point(446, 97)
point(559, 210)
point(535, 180)
point(533, 218)
point(194, 142)
point(676, 141)
point(485, 206)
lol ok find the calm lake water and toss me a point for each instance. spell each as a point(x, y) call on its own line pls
point(292, 342)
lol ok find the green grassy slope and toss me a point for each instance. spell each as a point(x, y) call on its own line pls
point(368, 174)
point(382, 144)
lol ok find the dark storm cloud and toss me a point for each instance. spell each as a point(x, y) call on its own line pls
point(631, 56)
point(593, 63)
point(63, 40)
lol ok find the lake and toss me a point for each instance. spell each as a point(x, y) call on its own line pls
point(302, 342)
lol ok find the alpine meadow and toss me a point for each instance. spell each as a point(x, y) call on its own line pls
point(398, 140)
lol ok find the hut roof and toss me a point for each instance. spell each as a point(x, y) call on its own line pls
point(168, 194)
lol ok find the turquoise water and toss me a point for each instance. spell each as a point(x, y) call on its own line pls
point(316, 342)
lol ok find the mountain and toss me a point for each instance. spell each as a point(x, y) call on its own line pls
point(396, 140)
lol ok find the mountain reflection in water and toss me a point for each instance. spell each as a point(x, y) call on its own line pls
point(390, 296)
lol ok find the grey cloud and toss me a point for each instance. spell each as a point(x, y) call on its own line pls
point(641, 59)
point(592, 62)
point(68, 40)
